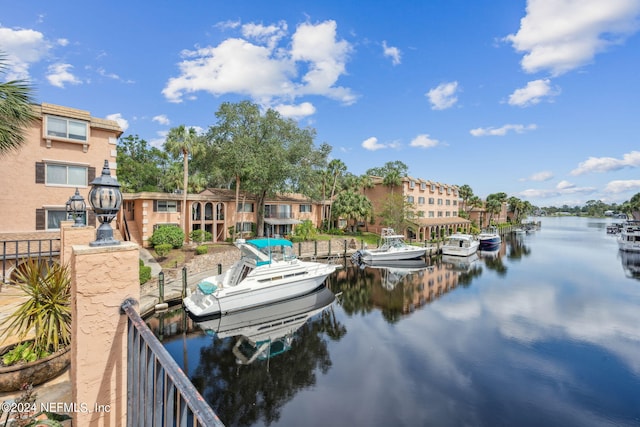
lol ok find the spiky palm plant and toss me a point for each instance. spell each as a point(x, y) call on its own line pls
point(16, 111)
point(46, 311)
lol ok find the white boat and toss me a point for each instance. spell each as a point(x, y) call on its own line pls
point(489, 238)
point(267, 331)
point(267, 272)
point(460, 244)
point(629, 236)
point(393, 248)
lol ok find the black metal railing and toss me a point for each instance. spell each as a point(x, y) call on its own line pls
point(15, 250)
point(158, 391)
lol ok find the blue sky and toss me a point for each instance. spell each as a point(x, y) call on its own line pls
point(539, 99)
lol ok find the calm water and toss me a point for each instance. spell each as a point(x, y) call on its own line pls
point(544, 332)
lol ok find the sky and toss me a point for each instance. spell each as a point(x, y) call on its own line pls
point(539, 99)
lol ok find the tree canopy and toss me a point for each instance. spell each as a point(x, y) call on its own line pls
point(16, 113)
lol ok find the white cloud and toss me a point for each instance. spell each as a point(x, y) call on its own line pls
point(532, 93)
point(59, 74)
point(22, 48)
point(541, 176)
point(620, 186)
point(269, 35)
point(161, 119)
point(296, 112)
point(424, 141)
point(561, 35)
point(266, 68)
point(443, 96)
point(561, 189)
point(391, 52)
point(122, 122)
point(502, 131)
point(607, 164)
point(372, 144)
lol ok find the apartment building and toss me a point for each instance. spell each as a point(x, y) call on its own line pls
point(435, 204)
point(215, 211)
point(64, 149)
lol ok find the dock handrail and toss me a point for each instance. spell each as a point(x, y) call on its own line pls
point(158, 391)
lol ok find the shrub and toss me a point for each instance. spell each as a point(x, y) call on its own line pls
point(202, 249)
point(163, 249)
point(200, 236)
point(144, 274)
point(46, 309)
point(168, 234)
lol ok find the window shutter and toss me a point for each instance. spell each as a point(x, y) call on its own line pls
point(179, 206)
point(39, 173)
point(155, 206)
point(40, 219)
point(91, 174)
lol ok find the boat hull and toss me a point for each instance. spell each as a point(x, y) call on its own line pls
point(254, 294)
point(373, 256)
point(489, 242)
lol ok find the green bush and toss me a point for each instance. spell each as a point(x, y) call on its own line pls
point(163, 249)
point(144, 274)
point(202, 249)
point(168, 234)
point(200, 236)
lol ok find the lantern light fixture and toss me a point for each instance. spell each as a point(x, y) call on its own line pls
point(105, 198)
point(76, 209)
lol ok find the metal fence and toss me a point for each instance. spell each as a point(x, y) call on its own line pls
point(158, 391)
point(13, 251)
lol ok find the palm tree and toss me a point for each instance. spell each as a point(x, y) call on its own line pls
point(15, 111)
point(392, 179)
point(335, 169)
point(183, 142)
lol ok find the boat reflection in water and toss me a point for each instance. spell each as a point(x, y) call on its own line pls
point(267, 331)
point(630, 264)
point(394, 272)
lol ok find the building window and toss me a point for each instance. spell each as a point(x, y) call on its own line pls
point(410, 199)
point(305, 208)
point(455, 203)
point(448, 202)
point(447, 213)
point(454, 213)
point(448, 190)
point(66, 175)
point(166, 206)
point(423, 185)
point(439, 201)
point(439, 214)
point(431, 214)
point(431, 200)
point(55, 216)
point(244, 227)
point(245, 207)
point(433, 187)
point(412, 184)
point(421, 200)
point(59, 127)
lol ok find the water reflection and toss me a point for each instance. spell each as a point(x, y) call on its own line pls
point(630, 264)
point(265, 332)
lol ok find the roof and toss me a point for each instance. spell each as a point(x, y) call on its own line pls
point(267, 242)
point(441, 221)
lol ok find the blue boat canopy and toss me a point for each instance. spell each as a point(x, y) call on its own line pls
point(266, 243)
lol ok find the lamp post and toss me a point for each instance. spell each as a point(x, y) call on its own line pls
point(76, 209)
point(105, 198)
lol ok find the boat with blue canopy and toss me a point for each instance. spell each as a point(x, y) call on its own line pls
point(268, 271)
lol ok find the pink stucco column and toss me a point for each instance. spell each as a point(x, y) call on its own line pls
point(101, 279)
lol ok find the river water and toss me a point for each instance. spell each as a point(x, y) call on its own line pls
point(543, 332)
